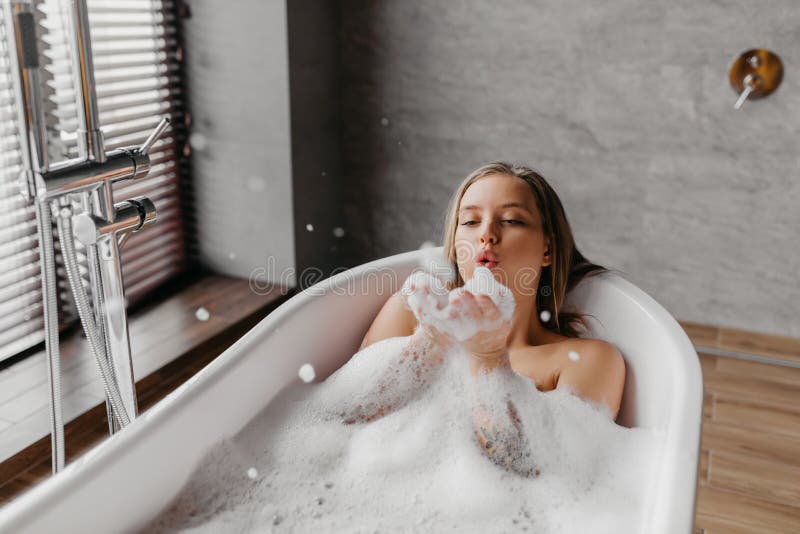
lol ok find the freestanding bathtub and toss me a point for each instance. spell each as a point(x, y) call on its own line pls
point(122, 483)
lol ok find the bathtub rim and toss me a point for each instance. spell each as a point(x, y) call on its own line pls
point(679, 427)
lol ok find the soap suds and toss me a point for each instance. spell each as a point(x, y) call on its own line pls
point(429, 299)
point(391, 442)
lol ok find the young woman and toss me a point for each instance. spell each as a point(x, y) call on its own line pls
point(508, 218)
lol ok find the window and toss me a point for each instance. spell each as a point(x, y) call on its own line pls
point(137, 73)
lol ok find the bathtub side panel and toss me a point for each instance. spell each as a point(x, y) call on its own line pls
point(138, 472)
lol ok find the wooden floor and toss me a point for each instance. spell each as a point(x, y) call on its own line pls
point(161, 329)
point(749, 477)
point(170, 345)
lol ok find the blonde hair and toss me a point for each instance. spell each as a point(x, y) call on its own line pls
point(568, 266)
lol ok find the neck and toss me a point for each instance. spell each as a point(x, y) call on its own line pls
point(527, 329)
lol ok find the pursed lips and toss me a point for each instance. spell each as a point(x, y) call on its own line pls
point(488, 258)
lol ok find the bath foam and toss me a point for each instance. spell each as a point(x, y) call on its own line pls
point(484, 283)
point(429, 299)
point(432, 261)
point(418, 467)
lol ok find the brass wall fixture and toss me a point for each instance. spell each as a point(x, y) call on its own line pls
point(755, 74)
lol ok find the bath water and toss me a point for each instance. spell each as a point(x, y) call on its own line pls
point(299, 467)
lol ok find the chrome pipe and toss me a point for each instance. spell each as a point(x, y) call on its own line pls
point(88, 176)
point(33, 147)
point(95, 281)
point(90, 137)
point(96, 178)
point(49, 295)
point(111, 298)
point(129, 218)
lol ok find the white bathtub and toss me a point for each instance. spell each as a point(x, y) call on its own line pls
point(126, 480)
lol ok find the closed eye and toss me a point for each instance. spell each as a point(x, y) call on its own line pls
point(510, 221)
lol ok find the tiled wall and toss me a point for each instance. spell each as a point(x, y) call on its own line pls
point(624, 106)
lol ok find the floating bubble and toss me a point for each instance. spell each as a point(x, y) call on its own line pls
point(202, 314)
point(232, 255)
point(256, 184)
point(323, 173)
point(198, 141)
point(544, 315)
point(306, 373)
point(310, 227)
point(384, 121)
point(252, 473)
point(574, 356)
point(338, 231)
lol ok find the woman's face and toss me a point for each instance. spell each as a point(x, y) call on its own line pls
point(498, 214)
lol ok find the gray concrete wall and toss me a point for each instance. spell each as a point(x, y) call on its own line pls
point(316, 121)
point(625, 107)
point(238, 83)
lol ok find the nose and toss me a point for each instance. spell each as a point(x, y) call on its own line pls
point(488, 235)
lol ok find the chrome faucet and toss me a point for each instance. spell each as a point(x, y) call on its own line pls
point(95, 220)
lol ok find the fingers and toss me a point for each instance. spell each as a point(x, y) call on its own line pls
point(454, 302)
point(488, 307)
point(426, 289)
point(463, 302)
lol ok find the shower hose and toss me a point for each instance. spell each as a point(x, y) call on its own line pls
point(97, 344)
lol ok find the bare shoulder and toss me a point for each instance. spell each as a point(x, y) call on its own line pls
point(597, 350)
point(593, 369)
point(586, 357)
point(393, 320)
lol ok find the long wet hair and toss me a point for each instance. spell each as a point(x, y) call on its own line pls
point(568, 266)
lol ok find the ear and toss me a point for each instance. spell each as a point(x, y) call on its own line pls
point(548, 257)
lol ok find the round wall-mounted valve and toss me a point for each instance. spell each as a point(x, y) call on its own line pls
point(755, 74)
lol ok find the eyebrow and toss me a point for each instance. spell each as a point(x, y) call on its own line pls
point(506, 205)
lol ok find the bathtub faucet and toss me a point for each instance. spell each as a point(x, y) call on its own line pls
point(78, 194)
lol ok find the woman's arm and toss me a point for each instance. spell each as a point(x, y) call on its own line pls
point(496, 423)
point(407, 370)
point(394, 320)
point(598, 376)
